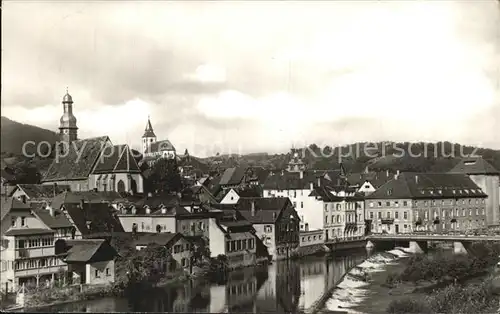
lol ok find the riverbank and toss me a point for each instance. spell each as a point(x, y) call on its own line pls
point(370, 288)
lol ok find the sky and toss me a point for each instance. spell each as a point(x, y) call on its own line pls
point(240, 77)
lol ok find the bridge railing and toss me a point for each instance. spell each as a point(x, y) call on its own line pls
point(347, 239)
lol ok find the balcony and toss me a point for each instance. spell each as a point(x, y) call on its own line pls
point(40, 271)
point(388, 221)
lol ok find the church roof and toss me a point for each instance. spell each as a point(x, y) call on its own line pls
point(161, 146)
point(148, 132)
point(78, 163)
point(117, 159)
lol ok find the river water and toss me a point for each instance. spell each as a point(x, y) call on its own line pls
point(286, 286)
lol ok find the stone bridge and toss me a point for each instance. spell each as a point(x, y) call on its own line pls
point(419, 242)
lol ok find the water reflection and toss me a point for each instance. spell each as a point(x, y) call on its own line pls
point(285, 286)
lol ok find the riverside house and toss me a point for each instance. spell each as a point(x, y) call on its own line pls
point(276, 223)
point(90, 261)
point(27, 246)
point(438, 202)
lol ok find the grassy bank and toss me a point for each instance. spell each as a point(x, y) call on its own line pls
point(444, 281)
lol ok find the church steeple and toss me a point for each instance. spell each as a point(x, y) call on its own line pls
point(67, 124)
point(148, 137)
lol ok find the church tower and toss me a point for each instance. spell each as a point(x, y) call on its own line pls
point(67, 123)
point(148, 137)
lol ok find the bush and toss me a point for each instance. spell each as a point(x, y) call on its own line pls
point(407, 306)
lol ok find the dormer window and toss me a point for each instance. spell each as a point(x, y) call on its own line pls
point(389, 192)
point(431, 192)
point(422, 192)
point(89, 224)
point(454, 192)
point(440, 192)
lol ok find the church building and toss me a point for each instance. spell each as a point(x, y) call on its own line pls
point(153, 149)
point(93, 163)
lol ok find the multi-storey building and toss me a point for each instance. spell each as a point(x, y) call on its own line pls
point(37, 193)
point(27, 246)
point(276, 222)
point(488, 179)
point(153, 149)
point(343, 212)
point(368, 182)
point(426, 201)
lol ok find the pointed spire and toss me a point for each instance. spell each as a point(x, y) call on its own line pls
point(148, 132)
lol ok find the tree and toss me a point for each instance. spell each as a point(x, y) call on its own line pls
point(165, 177)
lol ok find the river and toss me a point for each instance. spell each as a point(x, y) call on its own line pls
point(285, 286)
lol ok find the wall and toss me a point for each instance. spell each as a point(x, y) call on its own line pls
point(266, 232)
point(217, 239)
point(311, 237)
point(181, 251)
point(244, 254)
point(231, 198)
point(102, 277)
point(193, 227)
point(367, 188)
point(287, 233)
point(490, 186)
point(389, 209)
point(167, 223)
point(137, 177)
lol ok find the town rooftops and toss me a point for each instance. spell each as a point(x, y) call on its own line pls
point(85, 250)
point(161, 146)
point(53, 219)
point(377, 179)
point(262, 210)
point(116, 159)
point(93, 218)
point(328, 194)
point(428, 185)
point(475, 166)
point(37, 191)
point(232, 176)
point(293, 181)
point(79, 162)
point(9, 203)
point(88, 196)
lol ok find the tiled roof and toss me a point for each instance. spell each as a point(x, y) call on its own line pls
point(9, 203)
point(326, 195)
point(267, 210)
point(58, 220)
point(7, 175)
point(100, 216)
point(377, 179)
point(213, 185)
point(88, 196)
point(28, 231)
point(7, 190)
point(170, 210)
point(87, 250)
point(252, 191)
point(116, 159)
point(34, 191)
point(428, 185)
point(292, 181)
point(163, 238)
point(157, 200)
point(79, 161)
point(161, 146)
point(474, 166)
point(232, 176)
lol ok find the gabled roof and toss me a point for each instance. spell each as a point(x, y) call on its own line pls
point(76, 197)
point(36, 191)
point(85, 250)
point(267, 210)
point(79, 162)
point(100, 215)
point(232, 176)
point(292, 180)
point(55, 221)
point(376, 179)
point(475, 166)
point(116, 159)
point(428, 185)
point(9, 203)
point(28, 231)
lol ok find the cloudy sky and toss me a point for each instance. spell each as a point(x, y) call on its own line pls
point(257, 76)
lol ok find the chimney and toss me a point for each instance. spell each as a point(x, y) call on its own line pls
point(51, 210)
point(282, 172)
point(179, 194)
point(416, 179)
point(252, 204)
point(148, 210)
point(319, 181)
point(163, 209)
point(387, 173)
point(55, 189)
point(366, 169)
point(301, 174)
point(397, 172)
point(274, 215)
point(311, 186)
point(82, 203)
point(134, 210)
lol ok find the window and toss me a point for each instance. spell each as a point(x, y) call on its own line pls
point(250, 244)
point(333, 219)
point(405, 215)
point(97, 273)
point(389, 215)
point(301, 204)
point(13, 221)
point(387, 204)
point(405, 203)
point(396, 215)
point(371, 204)
point(379, 204)
point(107, 272)
point(23, 221)
point(326, 207)
point(371, 215)
point(379, 215)
point(184, 262)
point(396, 203)
point(326, 219)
